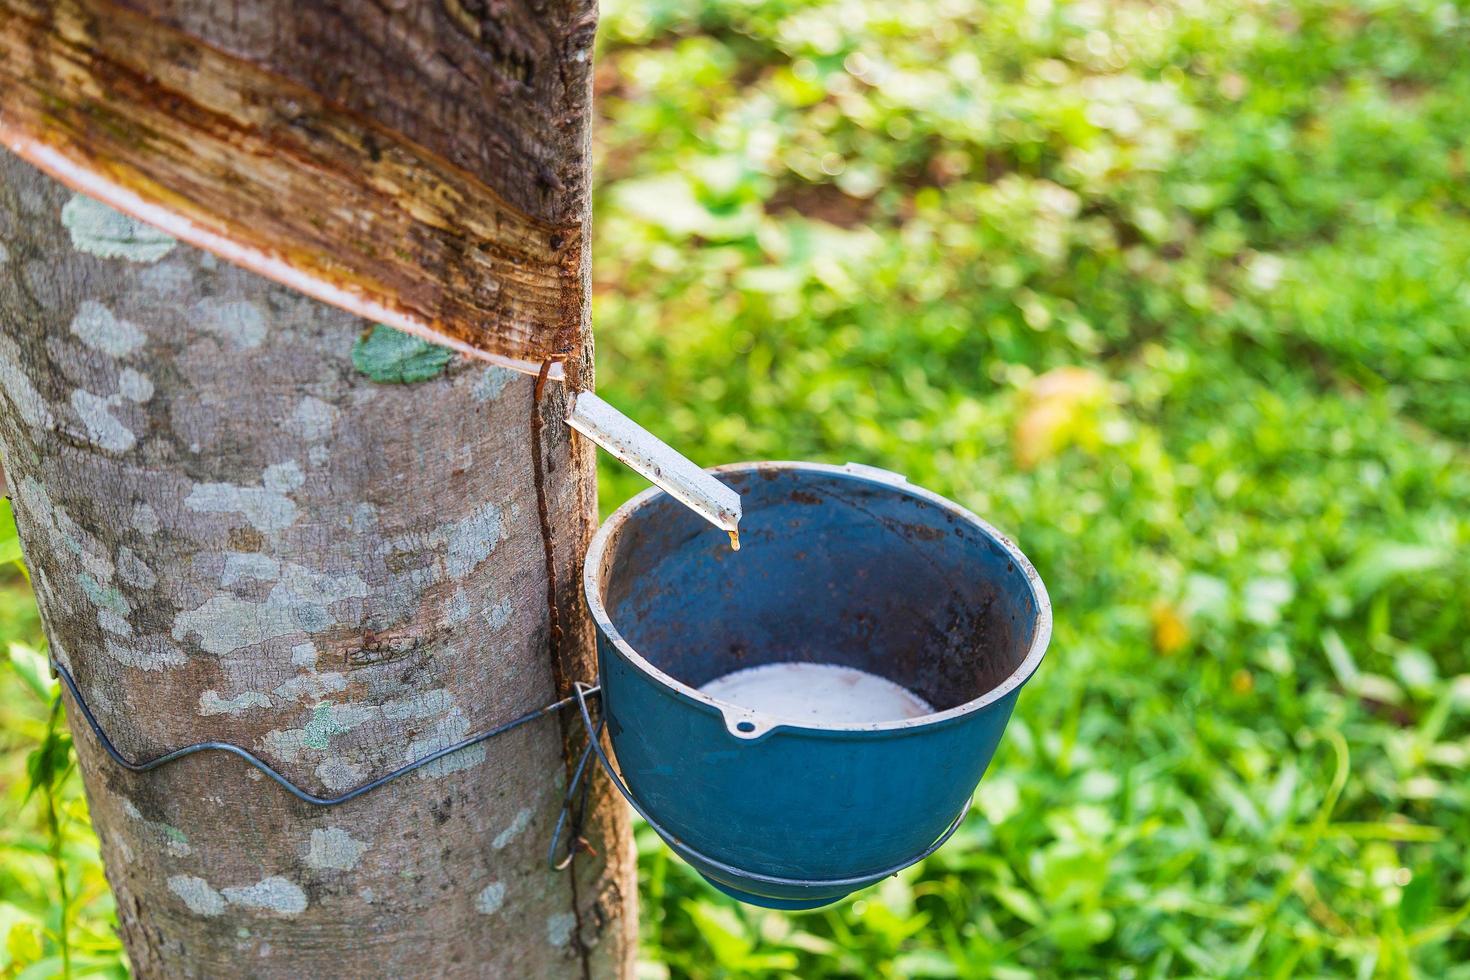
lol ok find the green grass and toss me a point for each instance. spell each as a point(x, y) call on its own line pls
point(1177, 295)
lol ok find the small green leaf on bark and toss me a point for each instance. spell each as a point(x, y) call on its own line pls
point(391, 356)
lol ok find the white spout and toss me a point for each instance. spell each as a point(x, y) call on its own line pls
point(665, 468)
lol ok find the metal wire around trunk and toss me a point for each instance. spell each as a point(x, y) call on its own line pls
point(304, 795)
point(574, 801)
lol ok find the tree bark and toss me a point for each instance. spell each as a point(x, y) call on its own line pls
point(234, 534)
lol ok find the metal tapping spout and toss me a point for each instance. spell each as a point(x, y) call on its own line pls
point(658, 462)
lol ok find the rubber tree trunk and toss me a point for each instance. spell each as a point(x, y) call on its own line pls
point(244, 522)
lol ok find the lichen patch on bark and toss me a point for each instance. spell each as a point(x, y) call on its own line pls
point(273, 894)
point(197, 894)
point(211, 703)
point(516, 828)
point(451, 728)
point(313, 419)
point(559, 928)
point(106, 233)
point(300, 601)
point(334, 849)
point(96, 327)
point(149, 653)
point(490, 898)
point(239, 323)
point(311, 685)
point(304, 655)
point(268, 507)
point(339, 774)
point(145, 519)
point(16, 385)
point(134, 386)
point(492, 382)
point(498, 615)
point(103, 428)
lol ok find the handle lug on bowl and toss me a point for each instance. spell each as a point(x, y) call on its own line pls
point(746, 724)
point(876, 473)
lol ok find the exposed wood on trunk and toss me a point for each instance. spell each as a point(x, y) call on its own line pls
point(422, 165)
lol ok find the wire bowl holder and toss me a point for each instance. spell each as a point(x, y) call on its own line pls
point(573, 808)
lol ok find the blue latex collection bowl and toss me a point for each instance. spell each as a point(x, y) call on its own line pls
point(840, 565)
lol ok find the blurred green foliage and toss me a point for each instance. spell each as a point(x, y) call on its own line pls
point(1174, 293)
point(1177, 295)
point(57, 917)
